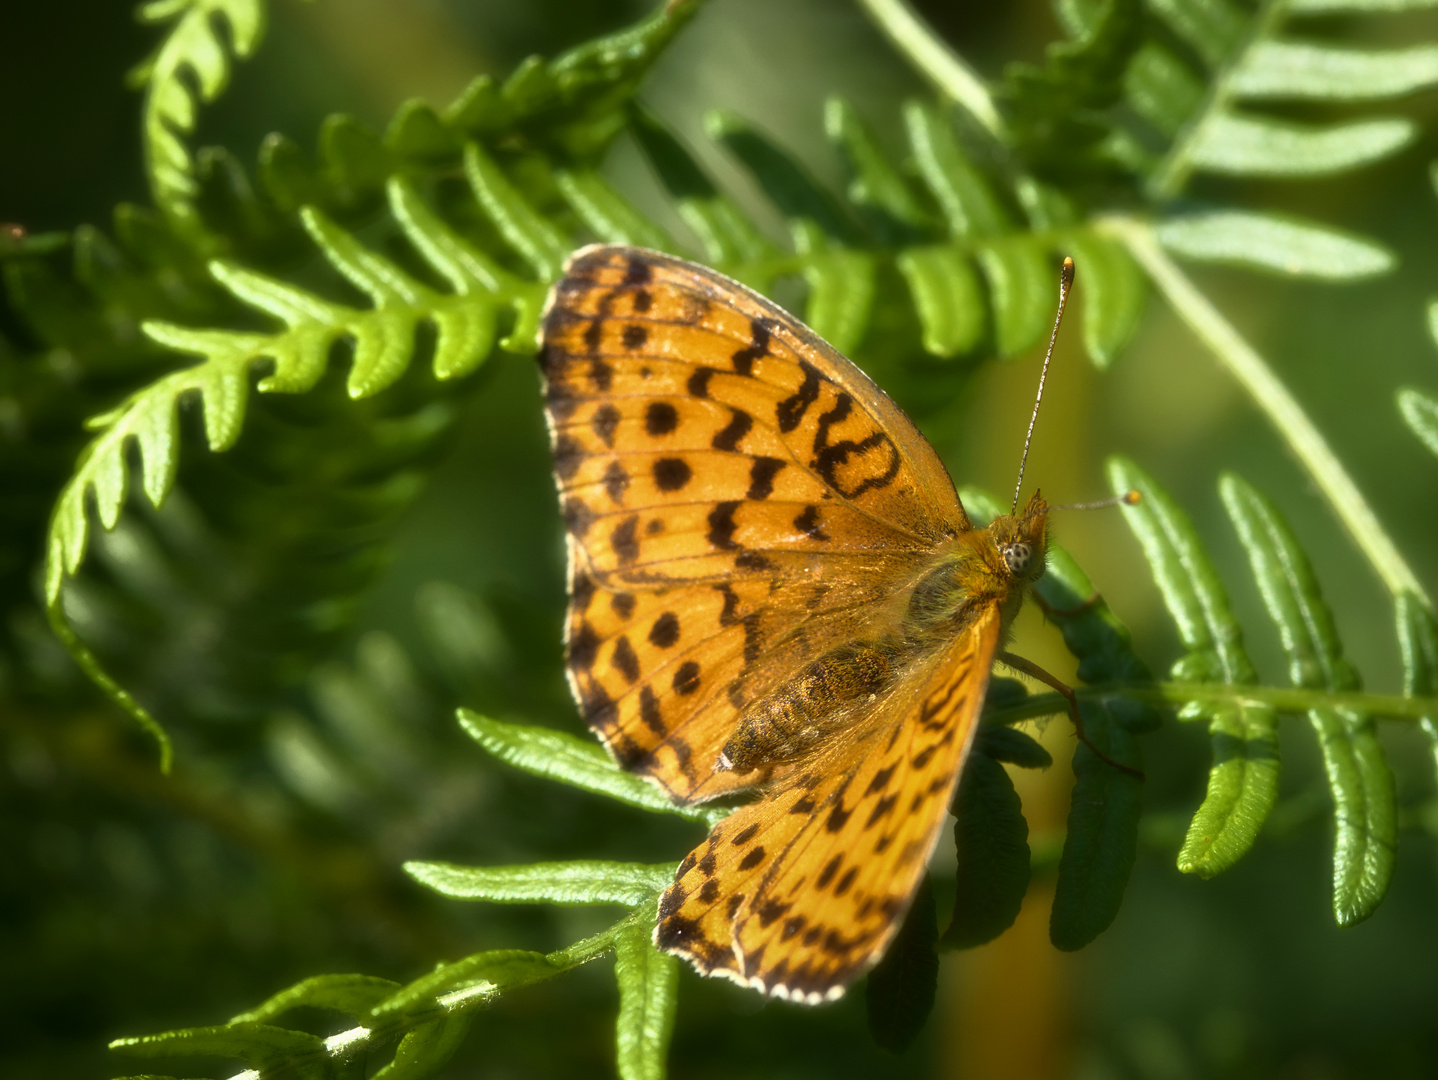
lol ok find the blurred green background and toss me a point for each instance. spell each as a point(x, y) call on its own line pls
point(130, 903)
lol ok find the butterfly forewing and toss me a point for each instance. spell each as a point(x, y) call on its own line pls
point(736, 495)
point(799, 893)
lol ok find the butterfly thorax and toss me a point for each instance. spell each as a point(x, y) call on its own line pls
point(967, 576)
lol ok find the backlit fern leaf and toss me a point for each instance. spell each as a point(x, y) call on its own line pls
point(193, 50)
point(421, 1024)
point(1208, 119)
point(383, 344)
point(1243, 780)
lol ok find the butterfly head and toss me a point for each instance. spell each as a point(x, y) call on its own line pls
point(1022, 540)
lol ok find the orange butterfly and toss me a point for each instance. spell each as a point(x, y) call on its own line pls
point(775, 587)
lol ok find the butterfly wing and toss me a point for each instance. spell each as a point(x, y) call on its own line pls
point(736, 495)
point(799, 893)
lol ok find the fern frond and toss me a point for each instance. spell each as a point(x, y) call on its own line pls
point(382, 339)
point(578, 762)
point(425, 1021)
point(570, 108)
point(1243, 783)
point(1365, 811)
point(630, 884)
point(573, 105)
point(192, 54)
point(1274, 242)
point(648, 984)
point(992, 838)
point(1056, 111)
point(1418, 640)
point(466, 323)
point(1420, 412)
point(1102, 839)
point(978, 259)
point(1248, 64)
point(899, 993)
point(1243, 779)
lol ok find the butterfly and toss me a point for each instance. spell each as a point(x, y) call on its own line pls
point(774, 588)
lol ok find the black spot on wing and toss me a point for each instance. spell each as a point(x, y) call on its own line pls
point(616, 480)
point(881, 779)
point(829, 458)
point(583, 645)
point(686, 679)
point(665, 631)
point(729, 615)
point(599, 708)
point(581, 591)
point(753, 638)
point(628, 753)
point(650, 713)
point(624, 660)
point(882, 809)
point(603, 422)
point(601, 375)
point(808, 523)
point(698, 384)
point(577, 517)
point(624, 539)
point(569, 453)
point(761, 477)
point(745, 835)
point(638, 272)
point(722, 526)
point(672, 900)
point(671, 474)
point(660, 418)
point(771, 911)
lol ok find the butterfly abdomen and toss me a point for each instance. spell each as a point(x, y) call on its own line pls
point(793, 718)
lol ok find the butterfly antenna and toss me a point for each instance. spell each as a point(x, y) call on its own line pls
point(1066, 280)
point(1129, 498)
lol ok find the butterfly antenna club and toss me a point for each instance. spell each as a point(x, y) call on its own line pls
point(1066, 280)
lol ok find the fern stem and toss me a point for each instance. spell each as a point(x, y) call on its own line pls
point(923, 48)
point(1269, 393)
point(1171, 176)
point(1286, 699)
point(81, 654)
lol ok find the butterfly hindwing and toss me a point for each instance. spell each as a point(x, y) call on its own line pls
point(799, 893)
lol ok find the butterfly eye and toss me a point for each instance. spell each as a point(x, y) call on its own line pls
point(1017, 556)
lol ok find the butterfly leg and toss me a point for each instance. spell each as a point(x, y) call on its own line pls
point(1028, 667)
point(1069, 612)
